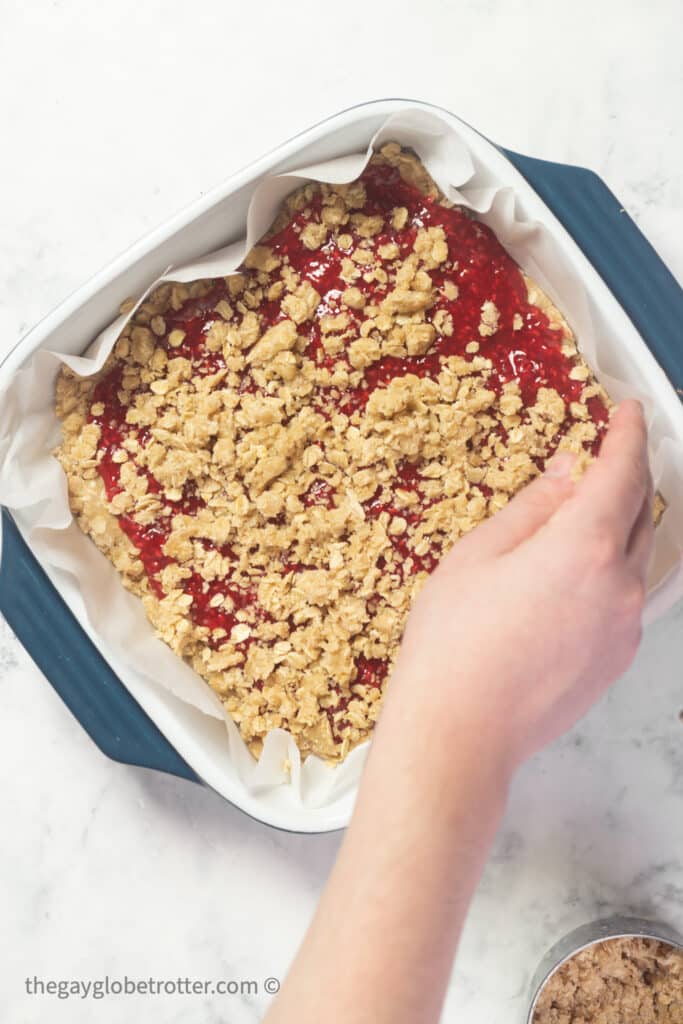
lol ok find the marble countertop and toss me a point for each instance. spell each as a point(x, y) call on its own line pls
point(115, 115)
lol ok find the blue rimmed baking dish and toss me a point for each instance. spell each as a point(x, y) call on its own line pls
point(593, 217)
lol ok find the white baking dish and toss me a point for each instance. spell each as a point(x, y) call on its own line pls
point(213, 221)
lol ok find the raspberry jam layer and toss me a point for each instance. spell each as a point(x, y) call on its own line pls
point(524, 348)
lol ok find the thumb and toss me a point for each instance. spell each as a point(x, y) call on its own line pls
point(530, 509)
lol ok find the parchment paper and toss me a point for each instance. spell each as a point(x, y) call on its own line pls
point(33, 484)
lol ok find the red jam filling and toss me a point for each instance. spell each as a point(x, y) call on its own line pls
point(530, 355)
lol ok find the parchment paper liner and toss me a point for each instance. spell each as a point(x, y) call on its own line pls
point(32, 484)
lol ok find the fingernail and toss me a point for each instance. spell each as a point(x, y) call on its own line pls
point(560, 464)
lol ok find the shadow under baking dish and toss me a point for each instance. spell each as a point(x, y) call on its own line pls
point(38, 615)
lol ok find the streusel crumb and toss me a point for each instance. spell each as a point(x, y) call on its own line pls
point(620, 981)
point(276, 460)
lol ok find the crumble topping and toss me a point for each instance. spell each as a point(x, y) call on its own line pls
point(276, 460)
point(614, 982)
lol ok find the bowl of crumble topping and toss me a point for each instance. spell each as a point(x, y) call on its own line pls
point(611, 972)
point(274, 445)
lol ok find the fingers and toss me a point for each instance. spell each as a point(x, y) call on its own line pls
point(611, 495)
point(529, 510)
point(608, 501)
point(641, 541)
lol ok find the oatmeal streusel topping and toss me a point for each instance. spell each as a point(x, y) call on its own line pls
point(616, 982)
point(276, 460)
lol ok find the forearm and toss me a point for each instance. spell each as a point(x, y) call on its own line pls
point(381, 945)
point(517, 632)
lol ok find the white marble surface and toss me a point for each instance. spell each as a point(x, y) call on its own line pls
point(113, 116)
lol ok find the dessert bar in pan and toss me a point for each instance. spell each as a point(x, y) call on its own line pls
point(275, 461)
point(388, 386)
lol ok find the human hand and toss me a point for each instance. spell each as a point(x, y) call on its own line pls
point(531, 616)
point(522, 626)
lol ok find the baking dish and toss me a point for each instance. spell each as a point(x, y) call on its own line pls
point(145, 727)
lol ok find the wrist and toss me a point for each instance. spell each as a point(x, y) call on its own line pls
point(445, 720)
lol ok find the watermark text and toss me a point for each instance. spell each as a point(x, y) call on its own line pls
point(105, 987)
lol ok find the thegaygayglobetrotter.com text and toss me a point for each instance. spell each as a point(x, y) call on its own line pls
point(107, 987)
